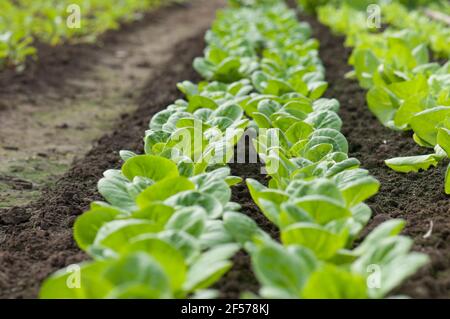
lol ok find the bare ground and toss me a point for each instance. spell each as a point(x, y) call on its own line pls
point(51, 114)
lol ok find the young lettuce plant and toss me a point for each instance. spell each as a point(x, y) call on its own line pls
point(169, 244)
point(370, 270)
point(150, 268)
point(202, 131)
point(406, 90)
point(402, 17)
point(431, 127)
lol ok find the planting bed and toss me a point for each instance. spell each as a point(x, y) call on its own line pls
point(134, 82)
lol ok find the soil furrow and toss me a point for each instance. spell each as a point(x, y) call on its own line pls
point(241, 277)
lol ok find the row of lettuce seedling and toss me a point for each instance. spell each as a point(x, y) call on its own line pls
point(168, 228)
point(316, 192)
point(406, 89)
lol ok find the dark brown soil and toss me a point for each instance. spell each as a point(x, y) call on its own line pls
point(241, 277)
point(418, 198)
point(37, 239)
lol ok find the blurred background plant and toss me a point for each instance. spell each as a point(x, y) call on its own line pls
point(25, 22)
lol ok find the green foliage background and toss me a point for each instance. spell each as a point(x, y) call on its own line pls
point(22, 22)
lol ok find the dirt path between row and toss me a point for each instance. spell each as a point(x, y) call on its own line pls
point(36, 240)
point(241, 278)
point(73, 94)
point(418, 197)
